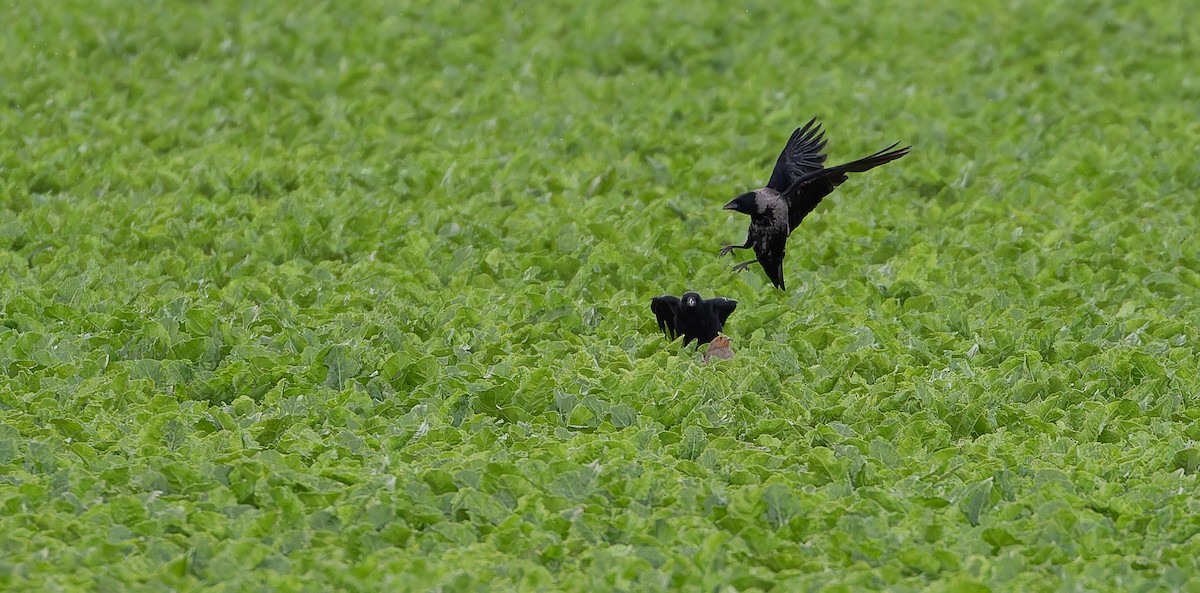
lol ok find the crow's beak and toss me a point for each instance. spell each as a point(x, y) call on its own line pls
point(731, 206)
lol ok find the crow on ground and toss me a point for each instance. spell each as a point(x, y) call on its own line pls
point(691, 316)
point(798, 183)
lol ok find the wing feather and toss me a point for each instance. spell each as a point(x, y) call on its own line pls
point(665, 308)
point(800, 156)
point(809, 189)
point(724, 308)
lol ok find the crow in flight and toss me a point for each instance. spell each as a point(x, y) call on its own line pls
point(798, 183)
point(693, 317)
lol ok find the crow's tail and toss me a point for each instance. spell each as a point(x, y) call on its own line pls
point(867, 163)
point(836, 175)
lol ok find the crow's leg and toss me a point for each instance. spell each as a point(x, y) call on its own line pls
point(744, 265)
point(726, 250)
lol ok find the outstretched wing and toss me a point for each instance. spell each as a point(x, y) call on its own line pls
point(664, 308)
point(723, 307)
point(802, 155)
point(808, 190)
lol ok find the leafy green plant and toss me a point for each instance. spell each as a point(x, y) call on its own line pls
point(329, 296)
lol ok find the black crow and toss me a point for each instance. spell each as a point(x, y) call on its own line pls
point(693, 317)
point(798, 183)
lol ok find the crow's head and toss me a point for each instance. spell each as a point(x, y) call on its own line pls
point(691, 299)
point(746, 203)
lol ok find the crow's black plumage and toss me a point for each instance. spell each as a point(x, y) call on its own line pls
point(691, 316)
point(798, 183)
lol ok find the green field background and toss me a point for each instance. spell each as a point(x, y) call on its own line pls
point(315, 296)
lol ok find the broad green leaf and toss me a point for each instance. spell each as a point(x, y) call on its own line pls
point(975, 499)
point(1187, 459)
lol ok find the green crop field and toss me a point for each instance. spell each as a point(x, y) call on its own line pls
point(315, 296)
